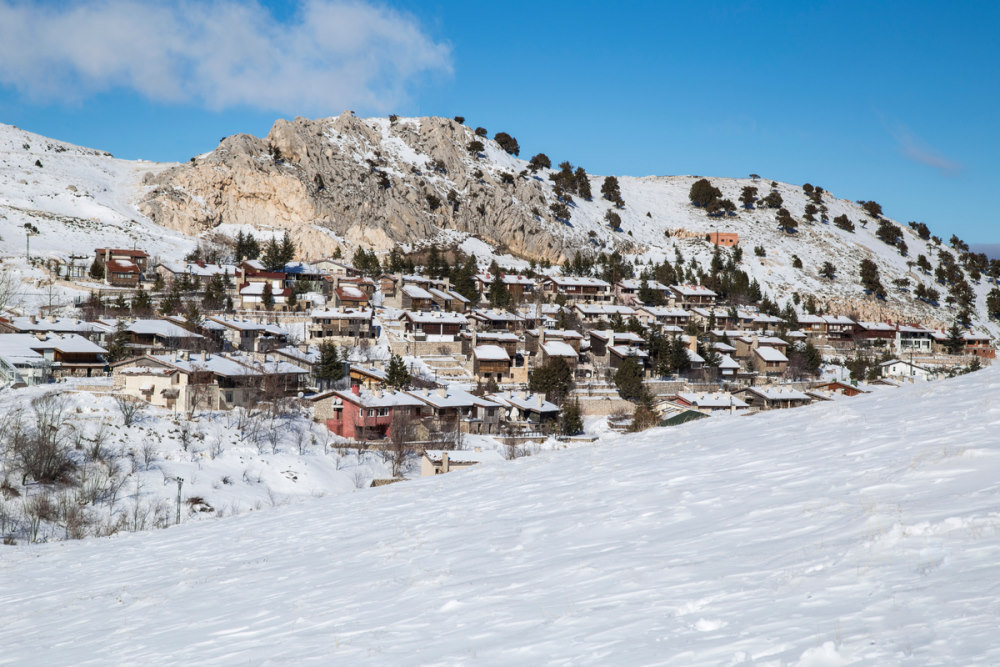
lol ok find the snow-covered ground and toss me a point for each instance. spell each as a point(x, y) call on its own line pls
point(863, 531)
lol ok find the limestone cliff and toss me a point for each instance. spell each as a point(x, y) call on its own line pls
point(372, 182)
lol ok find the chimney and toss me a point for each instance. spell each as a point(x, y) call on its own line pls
point(51, 318)
point(540, 401)
point(523, 395)
point(611, 338)
point(356, 389)
point(34, 319)
point(378, 392)
point(445, 467)
point(442, 392)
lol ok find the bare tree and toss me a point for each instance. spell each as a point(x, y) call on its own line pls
point(401, 436)
point(11, 289)
point(131, 407)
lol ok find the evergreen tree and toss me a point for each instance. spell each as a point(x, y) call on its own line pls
point(613, 219)
point(507, 142)
point(171, 303)
point(645, 415)
point(628, 379)
point(611, 190)
point(463, 279)
point(141, 303)
point(870, 279)
point(192, 316)
point(748, 196)
point(286, 251)
point(572, 421)
point(703, 192)
point(582, 183)
point(397, 376)
point(267, 298)
point(828, 271)
point(96, 270)
point(955, 341)
point(539, 161)
point(993, 304)
point(118, 348)
point(215, 293)
point(812, 358)
point(272, 258)
point(329, 369)
point(773, 199)
point(844, 223)
point(498, 294)
point(395, 263)
point(679, 359)
point(553, 378)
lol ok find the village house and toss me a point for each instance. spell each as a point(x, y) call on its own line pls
point(122, 267)
point(557, 349)
point(197, 272)
point(627, 291)
point(416, 298)
point(663, 315)
point(494, 319)
point(360, 414)
point(508, 341)
point(50, 325)
point(617, 354)
point(441, 461)
point(602, 339)
point(347, 295)
point(519, 286)
point(443, 327)
point(692, 296)
point(243, 334)
point(532, 337)
point(745, 344)
point(578, 289)
point(843, 388)
point(596, 314)
point(913, 340)
point(447, 410)
point(368, 377)
point(728, 367)
point(769, 361)
point(712, 318)
point(529, 411)
point(979, 345)
point(490, 362)
point(37, 358)
point(724, 239)
point(335, 268)
point(253, 290)
point(340, 323)
point(898, 368)
point(772, 398)
point(874, 334)
point(714, 402)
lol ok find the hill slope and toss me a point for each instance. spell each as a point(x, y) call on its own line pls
point(866, 530)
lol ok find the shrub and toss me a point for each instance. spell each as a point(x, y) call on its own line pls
point(507, 142)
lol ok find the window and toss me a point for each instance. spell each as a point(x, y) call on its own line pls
point(383, 412)
point(371, 412)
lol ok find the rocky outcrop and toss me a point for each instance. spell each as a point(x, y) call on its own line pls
point(370, 182)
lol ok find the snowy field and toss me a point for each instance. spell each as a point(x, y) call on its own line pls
point(866, 531)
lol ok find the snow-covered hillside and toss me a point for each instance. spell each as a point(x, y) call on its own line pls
point(78, 199)
point(864, 531)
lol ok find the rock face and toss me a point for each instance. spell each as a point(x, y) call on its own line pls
point(371, 182)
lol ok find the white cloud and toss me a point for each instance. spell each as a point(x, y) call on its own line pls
point(330, 56)
point(917, 151)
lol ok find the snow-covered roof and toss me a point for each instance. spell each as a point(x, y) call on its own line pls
point(717, 400)
point(416, 292)
point(837, 319)
point(694, 357)
point(497, 315)
point(875, 326)
point(723, 347)
point(557, 348)
point(26, 346)
point(636, 283)
point(53, 324)
point(247, 325)
point(162, 328)
point(628, 351)
point(463, 455)
point(727, 362)
point(665, 311)
point(379, 398)
point(194, 269)
point(578, 281)
point(214, 363)
point(344, 314)
point(439, 294)
point(351, 292)
point(436, 318)
point(779, 393)
point(604, 309)
point(491, 353)
point(507, 278)
point(525, 402)
point(620, 337)
point(451, 398)
point(563, 334)
point(692, 290)
point(720, 313)
point(770, 354)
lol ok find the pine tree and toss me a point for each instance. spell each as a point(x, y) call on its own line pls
point(498, 294)
point(553, 378)
point(870, 279)
point(287, 249)
point(118, 346)
point(645, 415)
point(572, 421)
point(539, 161)
point(171, 303)
point(748, 196)
point(956, 340)
point(611, 190)
point(703, 192)
point(272, 255)
point(582, 183)
point(267, 298)
point(192, 316)
point(812, 358)
point(628, 379)
point(329, 369)
point(141, 303)
point(97, 270)
point(828, 271)
point(507, 142)
point(397, 376)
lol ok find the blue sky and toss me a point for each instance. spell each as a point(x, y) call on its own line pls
point(892, 101)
